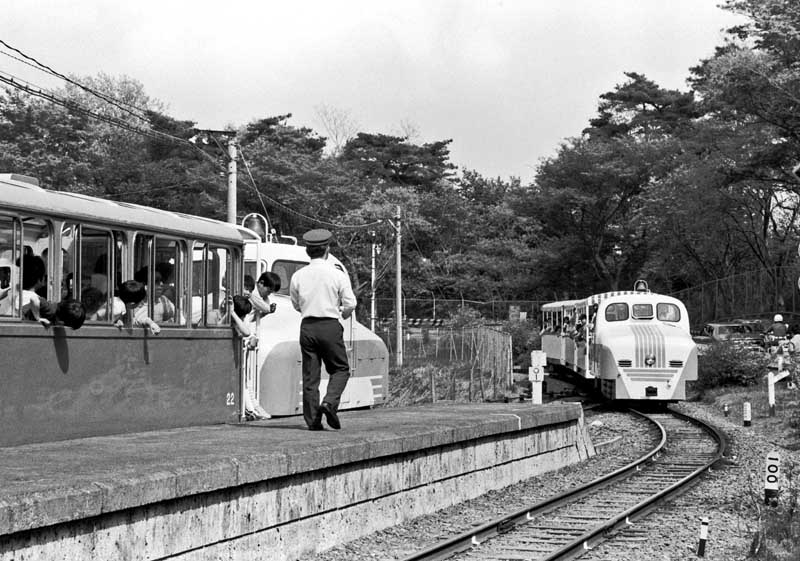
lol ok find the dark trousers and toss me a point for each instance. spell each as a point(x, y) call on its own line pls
point(321, 342)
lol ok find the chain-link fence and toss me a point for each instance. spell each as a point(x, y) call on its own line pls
point(452, 363)
point(437, 308)
point(756, 294)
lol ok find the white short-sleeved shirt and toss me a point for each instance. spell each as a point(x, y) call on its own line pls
point(319, 289)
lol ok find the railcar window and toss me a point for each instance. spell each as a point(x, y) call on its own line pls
point(617, 312)
point(169, 298)
point(218, 272)
point(642, 311)
point(69, 254)
point(211, 277)
point(668, 312)
point(157, 265)
point(97, 293)
point(285, 270)
point(250, 275)
point(10, 237)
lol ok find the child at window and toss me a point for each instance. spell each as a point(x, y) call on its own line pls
point(244, 324)
point(69, 313)
point(134, 296)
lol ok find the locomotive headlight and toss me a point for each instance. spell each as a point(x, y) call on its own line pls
point(650, 359)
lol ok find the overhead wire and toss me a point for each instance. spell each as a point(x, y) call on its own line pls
point(290, 210)
point(100, 95)
point(38, 91)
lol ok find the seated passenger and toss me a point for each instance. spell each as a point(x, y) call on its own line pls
point(92, 300)
point(33, 279)
point(580, 328)
point(163, 308)
point(134, 295)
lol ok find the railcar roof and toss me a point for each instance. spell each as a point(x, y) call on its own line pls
point(597, 298)
point(21, 196)
point(563, 304)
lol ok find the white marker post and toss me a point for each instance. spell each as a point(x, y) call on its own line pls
point(746, 414)
point(701, 547)
point(536, 375)
point(772, 379)
point(772, 479)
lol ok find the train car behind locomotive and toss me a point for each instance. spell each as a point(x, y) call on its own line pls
point(636, 345)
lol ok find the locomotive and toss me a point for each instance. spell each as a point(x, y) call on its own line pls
point(634, 345)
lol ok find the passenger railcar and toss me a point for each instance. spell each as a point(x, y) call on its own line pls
point(636, 345)
point(102, 379)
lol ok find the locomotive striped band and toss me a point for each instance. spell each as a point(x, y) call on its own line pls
point(648, 340)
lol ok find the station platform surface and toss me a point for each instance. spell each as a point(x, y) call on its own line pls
point(49, 483)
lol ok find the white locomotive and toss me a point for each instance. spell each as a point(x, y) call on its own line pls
point(635, 344)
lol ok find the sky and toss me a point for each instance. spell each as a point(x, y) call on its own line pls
point(506, 80)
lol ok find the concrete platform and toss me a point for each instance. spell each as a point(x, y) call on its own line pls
point(270, 489)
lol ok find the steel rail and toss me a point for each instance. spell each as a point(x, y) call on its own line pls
point(476, 536)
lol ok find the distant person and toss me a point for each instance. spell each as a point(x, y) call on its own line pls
point(580, 328)
point(778, 328)
point(322, 294)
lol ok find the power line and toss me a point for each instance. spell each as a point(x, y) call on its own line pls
point(300, 214)
point(74, 106)
point(104, 97)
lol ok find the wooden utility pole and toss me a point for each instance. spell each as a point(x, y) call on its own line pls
point(398, 304)
point(232, 180)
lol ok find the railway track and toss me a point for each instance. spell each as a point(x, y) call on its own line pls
point(567, 525)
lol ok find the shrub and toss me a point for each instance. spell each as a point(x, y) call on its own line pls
point(728, 364)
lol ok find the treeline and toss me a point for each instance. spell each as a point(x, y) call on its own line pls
point(679, 187)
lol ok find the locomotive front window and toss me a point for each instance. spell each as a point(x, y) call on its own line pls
point(617, 312)
point(642, 311)
point(285, 270)
point(668, 312)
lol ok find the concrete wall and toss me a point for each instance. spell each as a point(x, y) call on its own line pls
point(286, 517)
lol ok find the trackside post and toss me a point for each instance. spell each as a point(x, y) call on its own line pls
point(746, 415)
point(536, 375)
point(773, 378)
point(772, 479)
point(701, 547)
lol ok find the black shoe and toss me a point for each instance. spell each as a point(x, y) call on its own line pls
point(330, 415)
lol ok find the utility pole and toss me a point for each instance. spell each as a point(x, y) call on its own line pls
point(373, 312)
point(205, 136)
point(232, 180)
point(398, 303)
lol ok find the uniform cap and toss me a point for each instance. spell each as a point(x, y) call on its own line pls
point(317, 237)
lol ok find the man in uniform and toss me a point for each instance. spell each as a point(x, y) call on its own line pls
point(322, 294)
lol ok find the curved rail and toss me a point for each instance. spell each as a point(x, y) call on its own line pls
point(589, 538)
